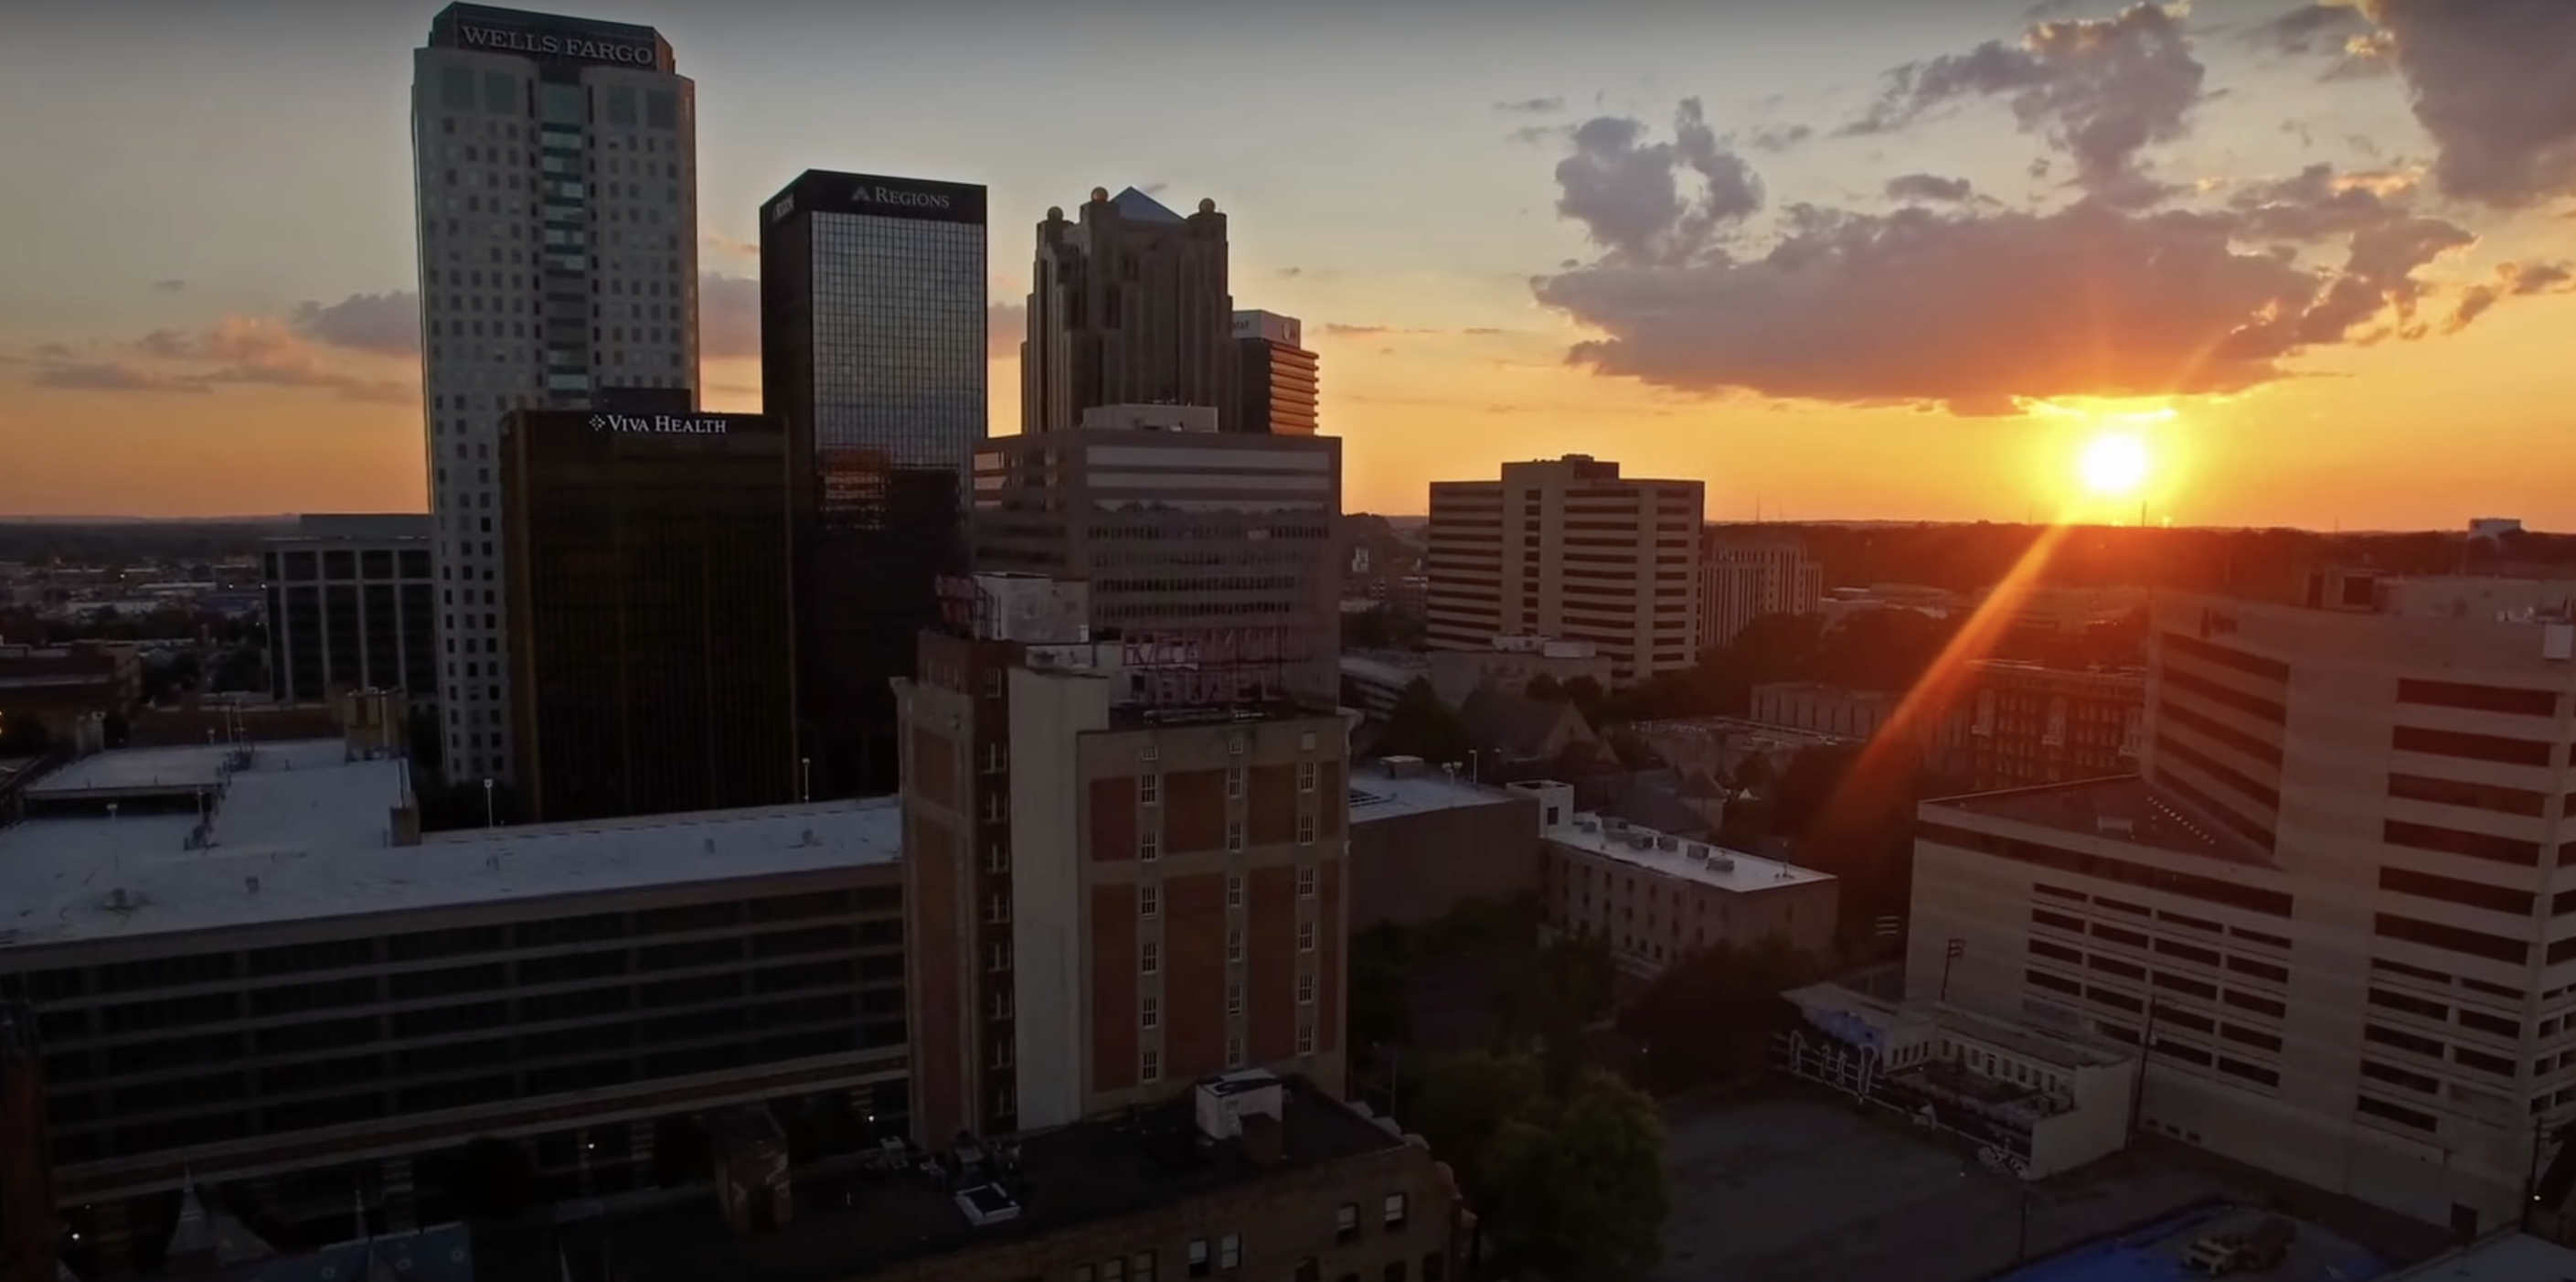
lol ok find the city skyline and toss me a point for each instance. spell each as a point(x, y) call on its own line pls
point(1641, 197)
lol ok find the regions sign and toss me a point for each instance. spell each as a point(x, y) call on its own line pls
point(818, 191)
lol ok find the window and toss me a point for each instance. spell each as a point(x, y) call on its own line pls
point(1149, 789)
point(1234, 836)
point(1150, 1012)
point(1234, 890)
point(1346, 1222)
point(1305, 830)
point(1234, 999)
point(1002, 1052)
point(1234, 745)
point(1149, 901)
point(1305, 990)
point(1001, 1003)
point(1113, 1269)
point(1395, 1210)
point(996, 758)
point(1229, 1252)
point(992, 683)
point(1305, 937)
point(1233, 946)
point(1233, 1051)
point(1234, 781)
point(1141, 1269)
point(1149, 1066)
point(1151, 958)
point(997, 956)
point(1306, 883)
point(1305, 776)
point(997, 857)
point(1305, 1039)
point(1198, 1257)
point(1149, 846)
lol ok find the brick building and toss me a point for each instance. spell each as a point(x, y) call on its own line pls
point(2025, 725)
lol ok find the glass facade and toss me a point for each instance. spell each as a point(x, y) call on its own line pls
point(899, 339)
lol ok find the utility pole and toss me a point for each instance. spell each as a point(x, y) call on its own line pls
point(1950, 953)
point(2138, 1090)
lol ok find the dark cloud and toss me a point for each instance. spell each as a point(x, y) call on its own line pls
point(1929, 187)
point(111, 376)
point(1540, 133)
point(2101, 90)
point(2494, 83)
point(1629, 196)
point(1979, 308)
point(1776, 138)
point(169, 286)
point(728, 316)
point(386, 324)
point(1532, 106)
point(2308, 29)
point(2511, 279)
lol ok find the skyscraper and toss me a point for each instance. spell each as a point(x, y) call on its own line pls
point(1274, 377)
point(1127, 306)
point(874, 358)
point(652, 625)
point(556, 178)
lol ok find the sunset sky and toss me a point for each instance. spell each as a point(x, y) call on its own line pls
point(1840, 258)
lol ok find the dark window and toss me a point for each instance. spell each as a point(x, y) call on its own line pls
point(2250, 1072)
point(2118, 936)
point(2415, 1042)
point(2058, 920)
point(2188, 885)
point(2176, 1017)
point(2259, 970)
point(2057, 952)
point(2212, 728)
point(2470, 747)
point(2483, 1062)
point(2410, 1005)
point(2433, 934)
point(2226, 657)
point(2249, 1036)
point(2186, 985)
point(2510, 700)
point(2235, 780)
point(2114, 966)
point(2255, 706)
point(2474, 894)
point(2188, 952)
point(2472, 796)
point(2178, 1050)
point(2255, 1002)
point(2480, 1021)
point(2390, 1073)
point(2058, 982)
point(2259, 937)
point(2451, 841)
point(2113, 997)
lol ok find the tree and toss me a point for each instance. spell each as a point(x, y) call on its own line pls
point(1421, 725)
point(1577, 1193)
point(1587, 696)
point(1460, 1103)
point(1381, 1007)
point(1382, 628)
point(1709, 1017)
point(1544, 688)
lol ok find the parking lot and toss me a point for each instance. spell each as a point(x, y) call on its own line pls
point(1794, 1187)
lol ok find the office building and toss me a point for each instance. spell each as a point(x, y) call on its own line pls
point(1567, 548)
point(28, 1227)
point(874, 352)
point(1748, 573)
point(1215, 544)
point(1128, 305)
point(652, 622)
point(556, 178)
point(1248, 1176)
point(1655, 899)
point(1274, 377)
point(249, 969)
point(1123, 872)
point(2024, 724)
point(351, 605)
point(2331, 904)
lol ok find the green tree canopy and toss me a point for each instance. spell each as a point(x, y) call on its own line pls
point(1577, 1192)
point(1709, 1017)
point(1545, 689)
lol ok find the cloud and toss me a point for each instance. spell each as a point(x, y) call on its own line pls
point(2494, 83)
point(2307, 29)
point(728, 316)
point(1777, 138)
point(386, 324)
point(1532, 106)
point(111, 376)
point(1006, 326)
point(2101, 91)
point(169, 286)
point(1980, 308)
point(1929, 187)
point(1540, 133)
point(1628, 194)
point(727, 244)
point(2510, 279)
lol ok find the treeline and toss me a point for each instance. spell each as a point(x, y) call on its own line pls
point(1968, 558)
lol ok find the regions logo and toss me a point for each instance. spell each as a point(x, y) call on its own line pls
point(868, 195)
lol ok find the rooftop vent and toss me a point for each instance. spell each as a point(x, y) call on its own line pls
point(1721, 861)
point(987, 1204)
point(1222, 1102)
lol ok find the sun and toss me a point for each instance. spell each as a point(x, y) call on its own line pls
point(2114, 464)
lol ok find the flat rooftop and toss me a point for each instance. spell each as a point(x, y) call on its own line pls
point(2124, 808)
point(1724, 868)
point(1098, 1169)
point(2513, 1257)
point(1377, 795)
point(300, 833)
point(2045, 1045)
point(2156, 1253)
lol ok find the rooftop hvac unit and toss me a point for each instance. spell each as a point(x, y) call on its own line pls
point(1721, 861)
point(1614, 825)
point(1586, 823)
point(1667, 843)
point(1695, 851)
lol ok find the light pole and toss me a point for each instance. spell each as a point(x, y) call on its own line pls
point(488, 820)
point(804, 778)
point(1475, 766)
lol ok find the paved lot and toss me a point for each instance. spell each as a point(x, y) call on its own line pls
point(1795, 1187)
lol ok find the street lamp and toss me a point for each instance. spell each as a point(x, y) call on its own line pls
point(804, 778)
point(488, 820)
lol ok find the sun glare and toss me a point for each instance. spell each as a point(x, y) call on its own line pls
point(2114, 464)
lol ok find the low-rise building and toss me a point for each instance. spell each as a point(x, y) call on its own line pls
point(1246, 1175)
point(1424, 841)
point(2023, 724)
point(1656, 899)
point(1817, 708)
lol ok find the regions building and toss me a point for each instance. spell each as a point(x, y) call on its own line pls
point(1746, 574)
point(648, 560)
point(555, 179)
point(1568, 548)
point(1274, 377)
point(248, 970)
point(874, 356)
point(1215, 546)
point(352, 605)
point(2330, 905)
point(1656, 899)
point(1115, 883)
point(1128, 305)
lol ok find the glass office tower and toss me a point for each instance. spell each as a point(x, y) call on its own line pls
point(873, 357)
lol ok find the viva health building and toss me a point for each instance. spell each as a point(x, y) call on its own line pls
point(556, 171)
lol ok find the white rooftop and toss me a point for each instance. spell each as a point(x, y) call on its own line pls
point(1377, 795)
point(303, 834)
point(1699, 861)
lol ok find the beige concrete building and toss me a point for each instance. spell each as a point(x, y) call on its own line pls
point(1747, 572)
point(1214, 548)
point(1568, 548)
point(2334, 904)
point(1657, 899)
